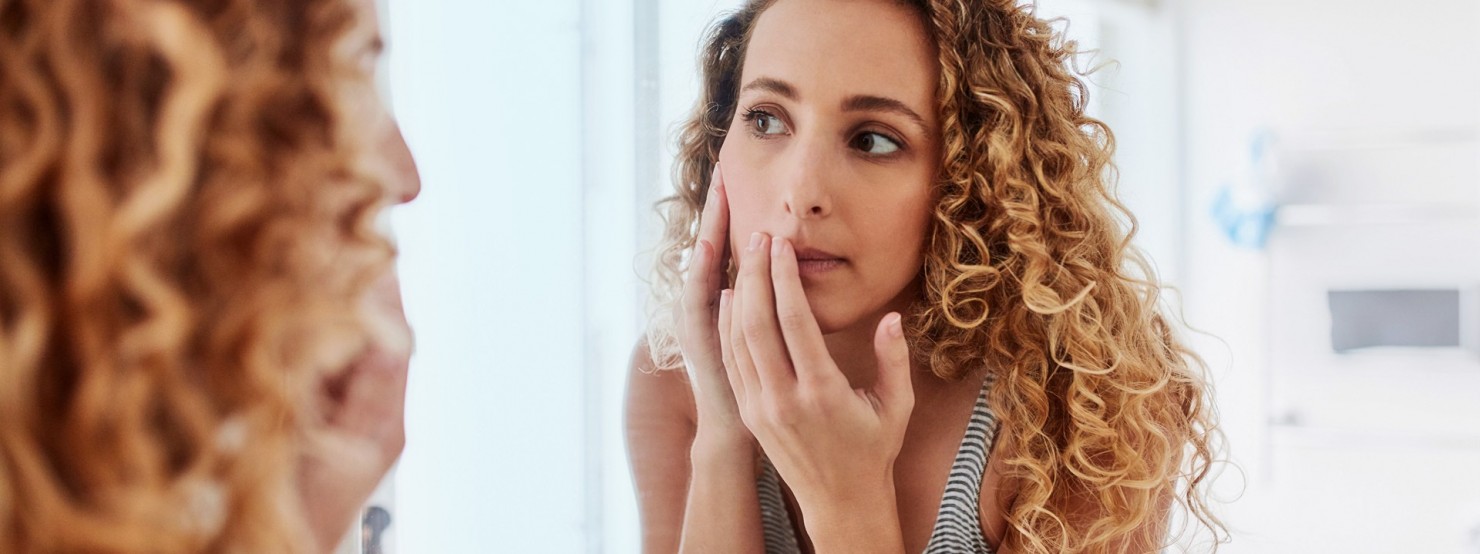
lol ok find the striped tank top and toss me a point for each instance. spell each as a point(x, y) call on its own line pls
point(957, 523)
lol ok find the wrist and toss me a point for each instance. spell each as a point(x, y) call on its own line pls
point(862, 518)
point(870, 488)
point(717, 447)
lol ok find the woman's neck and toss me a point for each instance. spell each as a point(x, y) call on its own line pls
point(853, 350)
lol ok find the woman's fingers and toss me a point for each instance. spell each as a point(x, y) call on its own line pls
point(762, 332)
point(739, 350)
point(794, 314)
point(694, 299)
point(732, 372)
point(893, 388)
point(714, 228)
point(700, 297)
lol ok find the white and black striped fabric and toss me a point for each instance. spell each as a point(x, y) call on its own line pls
point(957, 525)
point(781, 537)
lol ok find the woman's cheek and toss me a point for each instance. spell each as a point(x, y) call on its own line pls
point(745, 198)
point(744, 218)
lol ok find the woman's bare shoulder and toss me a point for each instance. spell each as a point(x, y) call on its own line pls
point(660, 425)
point(657, 395)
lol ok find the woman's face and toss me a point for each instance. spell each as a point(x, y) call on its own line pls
point(834, 146)
point(403, 182)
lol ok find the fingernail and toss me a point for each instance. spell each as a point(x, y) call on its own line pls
point(755, 240)
point(777, 246)
point(724, 299)
point(895, 326)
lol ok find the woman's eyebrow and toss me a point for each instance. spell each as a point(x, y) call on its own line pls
point(773, 85)
point(867, 103)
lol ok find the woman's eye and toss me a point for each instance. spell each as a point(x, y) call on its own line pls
point(762, 123)
point(875, 144)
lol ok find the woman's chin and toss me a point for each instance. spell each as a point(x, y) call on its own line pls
point(831, 320)
point(837, 313)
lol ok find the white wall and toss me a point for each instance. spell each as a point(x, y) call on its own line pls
point(518, 267)
point(1324, 68)
point(613, 290)
point(489, 96)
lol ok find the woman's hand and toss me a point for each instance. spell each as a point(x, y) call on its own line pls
point(363, 429)
point(697, 313)
point(722, 512)
point(834, 445)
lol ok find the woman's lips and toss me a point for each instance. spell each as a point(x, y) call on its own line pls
point(812, 262)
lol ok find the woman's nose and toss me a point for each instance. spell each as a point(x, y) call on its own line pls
point(806, 183)
point(405, 182)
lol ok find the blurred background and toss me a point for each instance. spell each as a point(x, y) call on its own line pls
point(1306, 174)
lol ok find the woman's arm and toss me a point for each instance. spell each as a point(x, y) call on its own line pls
point(723, 511)
point(693, 489)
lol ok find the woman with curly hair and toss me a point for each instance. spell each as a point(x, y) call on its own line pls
point(906, 313)
point(201, 343)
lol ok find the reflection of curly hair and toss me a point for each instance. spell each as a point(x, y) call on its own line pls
point(1025, 276)
point(185, 232)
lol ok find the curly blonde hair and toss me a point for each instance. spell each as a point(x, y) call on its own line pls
point(185, 235)
point(1028, 276)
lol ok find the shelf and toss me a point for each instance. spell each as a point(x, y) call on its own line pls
point(1318, 215)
